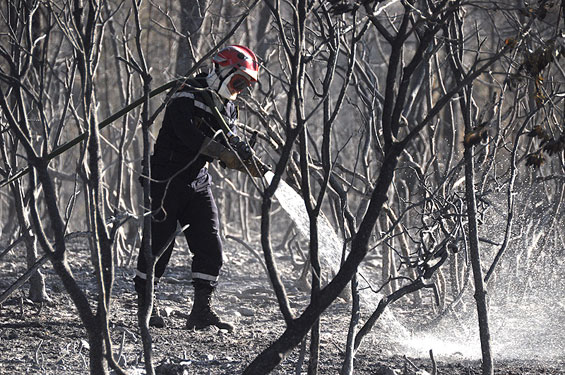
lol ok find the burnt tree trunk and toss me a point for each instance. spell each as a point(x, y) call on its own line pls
point(480, 291)
point(191, 19)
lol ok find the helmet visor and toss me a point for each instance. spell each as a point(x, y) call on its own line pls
point(238, 83)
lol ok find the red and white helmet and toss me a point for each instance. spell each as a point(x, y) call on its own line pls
point(235, 68)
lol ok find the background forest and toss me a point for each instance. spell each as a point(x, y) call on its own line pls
point(426, 139)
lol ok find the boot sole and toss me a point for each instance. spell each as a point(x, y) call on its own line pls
point(199, 327)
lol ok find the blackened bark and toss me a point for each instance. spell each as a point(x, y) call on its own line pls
point(480, 292)
point(37, 292)
point(191, 20)
point(347, 366)
point(298, 328)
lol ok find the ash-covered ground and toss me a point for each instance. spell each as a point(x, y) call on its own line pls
point(50, 339)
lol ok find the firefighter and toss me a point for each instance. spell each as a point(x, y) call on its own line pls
point(191, 136)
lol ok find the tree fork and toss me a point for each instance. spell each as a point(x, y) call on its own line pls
point(298, 328)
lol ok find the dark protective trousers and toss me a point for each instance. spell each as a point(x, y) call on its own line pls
point(186, 200)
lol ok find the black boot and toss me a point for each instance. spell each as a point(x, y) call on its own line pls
point(155, 320)
point(202, 314)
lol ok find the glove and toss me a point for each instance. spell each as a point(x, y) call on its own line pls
point(230, 159)
point(253, 165)
point(242, 157)
point(244, 151)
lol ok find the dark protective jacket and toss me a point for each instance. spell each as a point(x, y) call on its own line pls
point(188, 120)
point(187, 198)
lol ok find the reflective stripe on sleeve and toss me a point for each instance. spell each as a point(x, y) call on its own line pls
point(197, 103)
